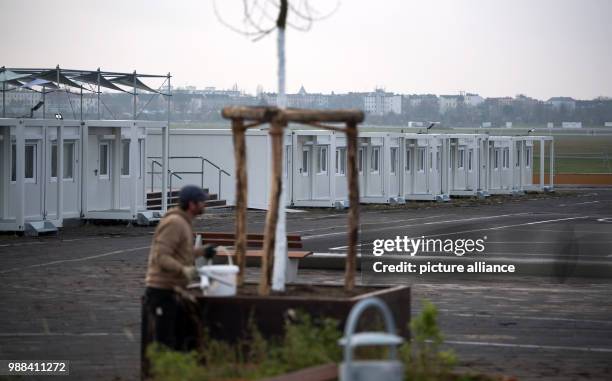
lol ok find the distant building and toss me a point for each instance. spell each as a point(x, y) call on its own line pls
point(304, 99)
point(562, 102)
point(380, 102)
point(472, 100)
point(449, 102)
point(500, 101)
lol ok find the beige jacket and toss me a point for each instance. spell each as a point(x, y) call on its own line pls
point(171, 249)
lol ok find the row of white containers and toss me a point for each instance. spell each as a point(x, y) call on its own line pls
point(393, 167)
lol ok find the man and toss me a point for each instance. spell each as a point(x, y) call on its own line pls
point(170, 269)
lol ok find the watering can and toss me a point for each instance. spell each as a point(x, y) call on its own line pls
point(390, 369)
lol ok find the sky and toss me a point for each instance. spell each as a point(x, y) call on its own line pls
point(541, 48)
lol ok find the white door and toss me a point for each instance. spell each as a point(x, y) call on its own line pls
point(99, 182)
point(305, 174)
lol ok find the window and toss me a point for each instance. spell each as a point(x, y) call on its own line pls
point(496, 159)
point(393, 160)
point(305, 161)
point(68, 160)
point(360, 160)
point(452, 159)
point(518, 158)
point(438, 161)
point(54, 160)
point(375, 159)
point(470, 159)
point(407, 165)
point(322, 160)
point(461, 162)
point(29, 164)
point(125, 158)
point(431, 159)
point(13, 163)
point(506, 158)
point(421, 159)
point(528, 157)
point(341, 161)
point(140, 156)
point(104, 160)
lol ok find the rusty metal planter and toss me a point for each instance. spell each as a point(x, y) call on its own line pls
point(227, 318)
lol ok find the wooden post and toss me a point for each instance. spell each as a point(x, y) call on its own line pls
point(353, 216)
point(241, 196)
point(276, 133)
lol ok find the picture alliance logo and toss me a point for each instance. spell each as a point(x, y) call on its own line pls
point(415, 246)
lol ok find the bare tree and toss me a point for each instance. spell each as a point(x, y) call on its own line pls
point(256, 24)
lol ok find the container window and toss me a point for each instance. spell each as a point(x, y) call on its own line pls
point(125, 158)
point(393, 160)
point(375, 159)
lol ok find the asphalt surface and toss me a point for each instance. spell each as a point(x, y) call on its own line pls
point(76, 296)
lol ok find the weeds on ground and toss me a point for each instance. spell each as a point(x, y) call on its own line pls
point(304, 344)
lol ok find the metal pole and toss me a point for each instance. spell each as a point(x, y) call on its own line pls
point(81, 103)
point(152, 170)
point(3, 102)
point(135, 95)
point(57, 68)
point(219, 195)
point(44, 94)
point(203, 174)
point(551, 157)
point(98, 93)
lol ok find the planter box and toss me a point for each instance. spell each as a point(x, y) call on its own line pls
point(227, 318)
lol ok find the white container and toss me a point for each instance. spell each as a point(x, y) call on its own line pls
point(218, 280)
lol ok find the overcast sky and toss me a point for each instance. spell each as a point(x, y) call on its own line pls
point(541, 48)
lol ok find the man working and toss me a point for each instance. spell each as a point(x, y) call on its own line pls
point(170, 270)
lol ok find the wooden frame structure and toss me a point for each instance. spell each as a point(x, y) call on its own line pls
point(244, 118)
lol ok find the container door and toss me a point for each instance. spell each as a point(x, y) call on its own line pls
point(99, 184)
point(305, 174)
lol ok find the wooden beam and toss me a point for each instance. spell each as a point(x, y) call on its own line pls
point(259, 114)
point(241, 196)
point(353, 215)
point(266, 114)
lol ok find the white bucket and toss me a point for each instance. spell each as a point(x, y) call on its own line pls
point(218, 280)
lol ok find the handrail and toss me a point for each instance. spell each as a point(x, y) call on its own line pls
point(202, 159)
point(170, 172)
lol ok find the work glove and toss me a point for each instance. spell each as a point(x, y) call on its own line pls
point(209, 251)
point(191, 273)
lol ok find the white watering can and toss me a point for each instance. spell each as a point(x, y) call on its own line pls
point(389, 369)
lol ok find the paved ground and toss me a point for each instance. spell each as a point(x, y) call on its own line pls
point(76, 296)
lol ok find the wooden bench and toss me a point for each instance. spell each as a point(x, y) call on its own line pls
point(255, 246)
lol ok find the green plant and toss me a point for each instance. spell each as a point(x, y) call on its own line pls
point(167, 365)
point(423, 359)
point(305, 343)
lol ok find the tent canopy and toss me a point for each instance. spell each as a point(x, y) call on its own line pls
point(7, 75)
point(131, 80)
point(74, 78)
point(93, 78)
